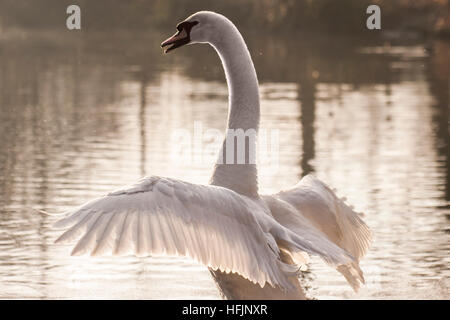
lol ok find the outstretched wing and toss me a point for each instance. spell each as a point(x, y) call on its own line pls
point(317, 208)
point(212, 225)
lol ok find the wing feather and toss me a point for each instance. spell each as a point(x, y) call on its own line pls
point(155, 216)
point(109, 236)
point(212, 225)
point(311, 210)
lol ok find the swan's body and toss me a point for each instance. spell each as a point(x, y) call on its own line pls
point(254, 245)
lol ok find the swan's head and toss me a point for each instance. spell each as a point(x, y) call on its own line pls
point(201, 27)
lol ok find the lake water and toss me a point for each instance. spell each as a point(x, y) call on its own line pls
point(84, 114)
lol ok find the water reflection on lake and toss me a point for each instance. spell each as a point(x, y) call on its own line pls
point(81, 116)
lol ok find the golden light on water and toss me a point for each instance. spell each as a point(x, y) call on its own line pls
point(73, 131)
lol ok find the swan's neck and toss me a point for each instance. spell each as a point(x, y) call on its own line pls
point(236, 169)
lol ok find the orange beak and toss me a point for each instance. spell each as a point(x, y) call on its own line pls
point(177, 40)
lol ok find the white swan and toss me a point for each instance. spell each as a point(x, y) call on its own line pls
point(254, 245)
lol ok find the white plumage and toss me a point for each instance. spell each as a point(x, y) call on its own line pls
point(213, 225)
point(254, 245)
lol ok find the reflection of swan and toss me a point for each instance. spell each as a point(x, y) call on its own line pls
point(254, 245)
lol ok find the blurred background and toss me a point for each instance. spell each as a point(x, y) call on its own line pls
point(84, 112)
